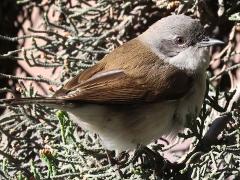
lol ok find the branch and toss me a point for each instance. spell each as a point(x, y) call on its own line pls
point(29, 79)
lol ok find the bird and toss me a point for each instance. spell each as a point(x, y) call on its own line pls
point(141, 90)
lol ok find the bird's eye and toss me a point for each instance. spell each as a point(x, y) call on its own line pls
point(179, 40)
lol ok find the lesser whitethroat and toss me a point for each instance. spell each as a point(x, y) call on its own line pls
point(141, 90)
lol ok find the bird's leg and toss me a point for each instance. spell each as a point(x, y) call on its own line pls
point(114, 161)
point(110, 158)
point(156, 160)
point(138, 153)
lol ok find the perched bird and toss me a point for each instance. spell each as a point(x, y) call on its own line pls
point(141, 90)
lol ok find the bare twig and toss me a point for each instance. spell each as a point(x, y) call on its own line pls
point(28, 79)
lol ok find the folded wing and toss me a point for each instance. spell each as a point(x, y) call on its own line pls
point(131, 74)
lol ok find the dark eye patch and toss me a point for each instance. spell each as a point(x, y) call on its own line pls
point(169, 48)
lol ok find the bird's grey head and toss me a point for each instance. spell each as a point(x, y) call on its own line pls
point(175, 34)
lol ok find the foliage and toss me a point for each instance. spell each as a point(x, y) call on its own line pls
point(37, 142)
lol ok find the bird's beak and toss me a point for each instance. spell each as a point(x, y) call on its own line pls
point(209, 42)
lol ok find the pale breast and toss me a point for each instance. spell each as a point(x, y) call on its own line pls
point(123, 128)
point(191, 104)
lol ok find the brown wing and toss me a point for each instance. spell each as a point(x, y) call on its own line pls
point(118, 87)
point(130, 78)
point(75, 81)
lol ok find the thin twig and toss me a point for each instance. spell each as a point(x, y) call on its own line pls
point(29, 79)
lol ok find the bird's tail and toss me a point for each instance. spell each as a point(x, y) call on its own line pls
point(48, 101)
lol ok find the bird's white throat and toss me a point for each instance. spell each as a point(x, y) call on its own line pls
point(193, 58)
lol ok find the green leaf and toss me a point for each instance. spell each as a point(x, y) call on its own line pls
point(67, 128)
point(35, 172)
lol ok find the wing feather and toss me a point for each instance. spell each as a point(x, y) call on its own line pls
point(135, 75)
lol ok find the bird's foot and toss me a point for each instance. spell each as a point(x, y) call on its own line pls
point(117, 159)
point(154, 159)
